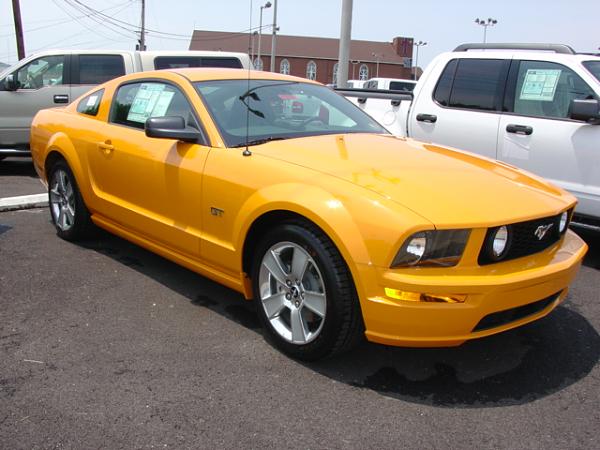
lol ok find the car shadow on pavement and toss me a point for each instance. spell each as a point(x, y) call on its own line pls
point(592, 259)
point(17, 167)
point(515, 367)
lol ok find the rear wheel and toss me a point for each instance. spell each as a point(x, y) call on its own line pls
point(69, 214)
point(304, 293)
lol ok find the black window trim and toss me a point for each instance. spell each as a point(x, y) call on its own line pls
point(511, 88)
point(203, 135)
point(74, 67)
point(500, 98)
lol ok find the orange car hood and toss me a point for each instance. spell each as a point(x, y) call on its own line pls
point(447, 187)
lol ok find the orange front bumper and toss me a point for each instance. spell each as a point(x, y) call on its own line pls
point(488, 290)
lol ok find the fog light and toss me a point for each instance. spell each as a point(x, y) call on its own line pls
point(423, 297)
point(500, 242)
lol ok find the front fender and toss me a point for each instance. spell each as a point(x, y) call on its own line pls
point(317, 205)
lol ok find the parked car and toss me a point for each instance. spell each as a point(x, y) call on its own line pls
point(356, 84)
point(281, 189)
point(55, 77)
point(532, 106)
point(390, 84)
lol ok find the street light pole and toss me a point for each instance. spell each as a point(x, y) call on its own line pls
point(266, 5)
point(273, 44)
point(345, 40)
point(376, 56)
point(485, 24)
point(417, 45)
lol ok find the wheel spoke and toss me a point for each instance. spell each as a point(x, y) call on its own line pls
point(316, 302)
point(299, 263)
point(272, 263)
point(61, 219)
point(62, 188)
point(70, 213)
point(274, 305)
point(69, 191)
point(298, 327)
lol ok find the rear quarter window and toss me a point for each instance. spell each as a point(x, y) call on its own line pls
point(90, 104)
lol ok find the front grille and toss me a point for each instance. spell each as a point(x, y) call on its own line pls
point(523, 240)
point(512, 315)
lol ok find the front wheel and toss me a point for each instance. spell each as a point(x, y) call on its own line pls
point(304, 293)
point(69, 214)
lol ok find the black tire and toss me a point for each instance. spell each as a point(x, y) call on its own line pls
point(79, 226)
point(342, 325)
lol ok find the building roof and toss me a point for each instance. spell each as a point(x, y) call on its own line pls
point(303, 46)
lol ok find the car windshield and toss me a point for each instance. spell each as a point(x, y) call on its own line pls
point(593, 67)
point(262, 110)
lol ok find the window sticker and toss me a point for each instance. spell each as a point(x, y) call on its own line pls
point(91, 101)
point(540, 85)
point(151, 100)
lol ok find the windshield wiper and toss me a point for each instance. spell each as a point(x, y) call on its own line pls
point(260, 141)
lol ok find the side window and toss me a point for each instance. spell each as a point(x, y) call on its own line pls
point(42, 72)
point(91, 103)
point(137, 102)
point(96, 69)
point(545, 89)
point(478, 84)
point(444, 85)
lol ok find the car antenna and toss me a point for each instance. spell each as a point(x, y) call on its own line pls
point(247, 151)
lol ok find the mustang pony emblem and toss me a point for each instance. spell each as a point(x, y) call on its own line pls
point(541, 231)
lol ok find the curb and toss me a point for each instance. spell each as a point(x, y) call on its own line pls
point(23, 202)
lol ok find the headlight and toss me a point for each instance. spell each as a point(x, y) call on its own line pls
point(500, 242)
point(564, 220)
point(436, 248)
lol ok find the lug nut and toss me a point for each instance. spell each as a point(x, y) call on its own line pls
point(288, 296)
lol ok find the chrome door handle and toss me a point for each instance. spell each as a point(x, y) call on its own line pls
point(60, 98)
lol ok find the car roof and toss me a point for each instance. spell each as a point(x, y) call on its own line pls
point(215, 73)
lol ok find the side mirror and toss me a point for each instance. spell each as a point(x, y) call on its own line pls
point(171, 127)
point(10, 84)
point(586, 111)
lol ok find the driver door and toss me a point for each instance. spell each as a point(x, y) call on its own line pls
point(150, 186)
point(40, 85)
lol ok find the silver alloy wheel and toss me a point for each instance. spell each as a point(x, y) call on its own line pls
point(62, 200)
point(292, 292)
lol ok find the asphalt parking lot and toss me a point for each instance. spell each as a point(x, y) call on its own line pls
point(105, 345)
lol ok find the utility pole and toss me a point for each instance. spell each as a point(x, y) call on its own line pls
point(273, 46)
point(345, 40)
point(18, 29)
point(143, 30)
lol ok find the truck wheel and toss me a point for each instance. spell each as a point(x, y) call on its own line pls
point(304, 293)
point(69, 214)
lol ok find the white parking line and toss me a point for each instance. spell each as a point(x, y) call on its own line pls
point(23, 202)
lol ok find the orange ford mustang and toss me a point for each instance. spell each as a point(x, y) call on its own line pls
point(286, 192)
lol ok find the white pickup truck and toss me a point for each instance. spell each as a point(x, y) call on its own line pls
point(534, 106)
point(56, 77)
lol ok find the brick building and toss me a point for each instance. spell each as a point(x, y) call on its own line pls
point(313, 57)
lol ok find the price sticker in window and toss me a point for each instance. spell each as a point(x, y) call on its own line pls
point(540, 85)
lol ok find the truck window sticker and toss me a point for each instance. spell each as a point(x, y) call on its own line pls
point(540, 84)
point(151, 100)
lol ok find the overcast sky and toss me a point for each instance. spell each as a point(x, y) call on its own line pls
point(443, 24)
